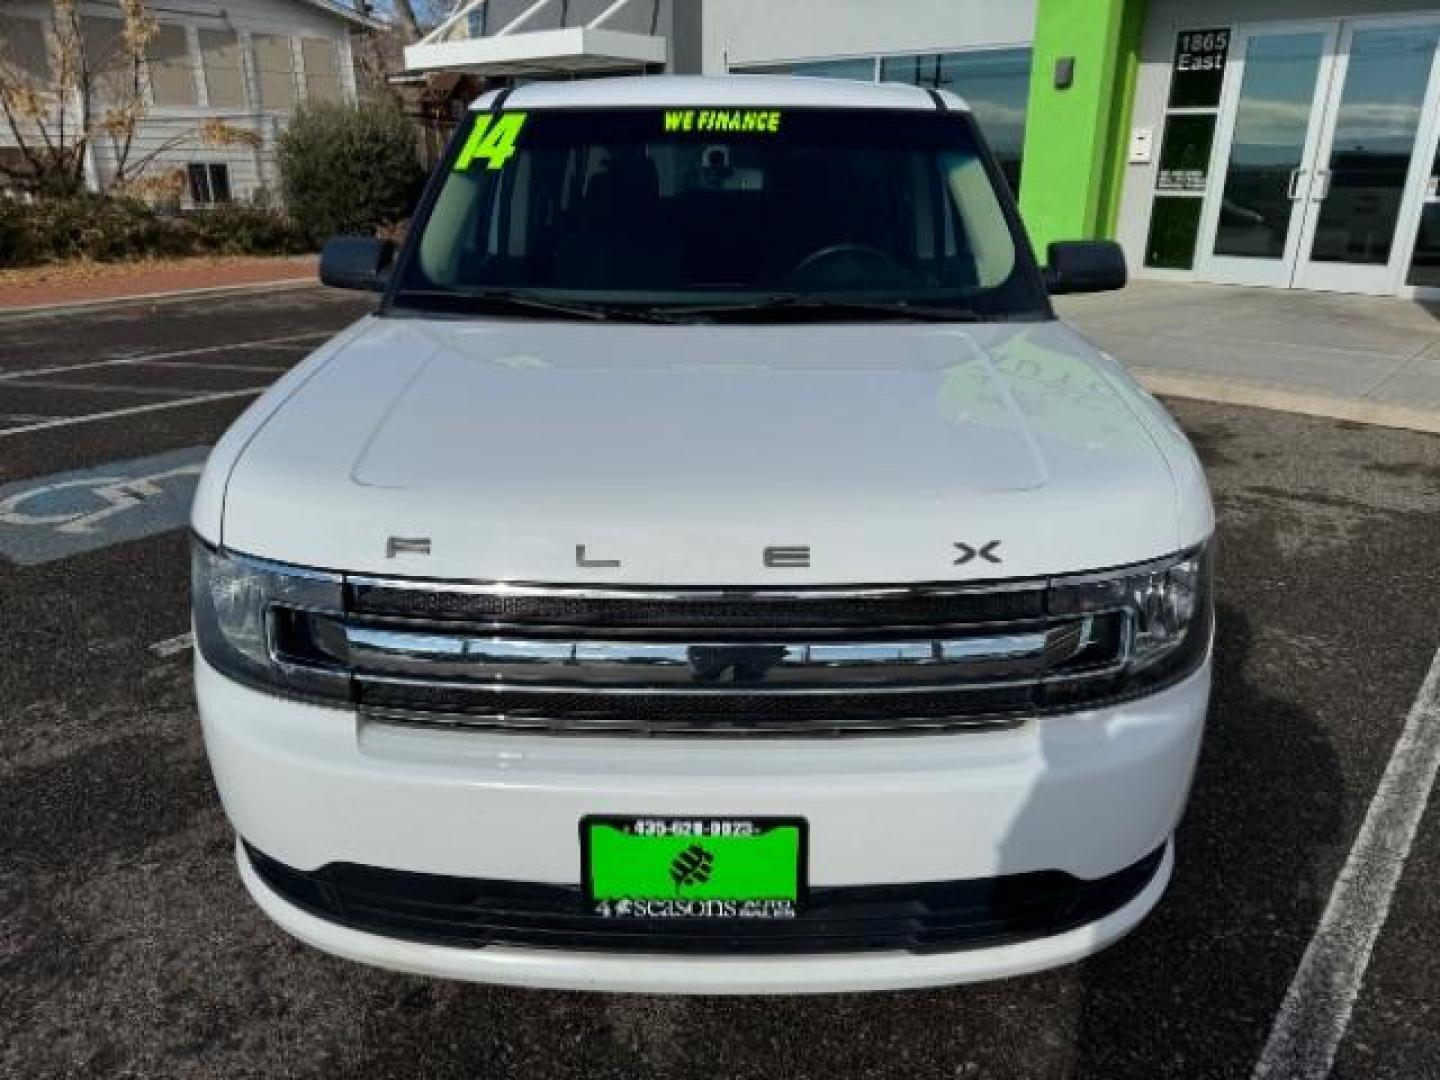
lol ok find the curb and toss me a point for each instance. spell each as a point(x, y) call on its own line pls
point(80, 307)
point(1232, 392)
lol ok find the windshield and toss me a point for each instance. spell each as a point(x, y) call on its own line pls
point(716, 212)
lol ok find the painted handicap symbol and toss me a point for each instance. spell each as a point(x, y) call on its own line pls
point(55, 517)
point(108, 496)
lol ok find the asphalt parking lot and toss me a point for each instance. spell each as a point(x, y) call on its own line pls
point(128, 947)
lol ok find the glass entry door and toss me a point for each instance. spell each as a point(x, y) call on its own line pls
point(1425, 263)
point(1369, 175)
point(1322, 183)
point(1268, 138)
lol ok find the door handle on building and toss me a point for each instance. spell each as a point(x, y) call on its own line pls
point(1322, 181)
point(1292, 190)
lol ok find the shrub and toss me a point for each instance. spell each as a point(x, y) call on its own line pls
point(89, 226)
point(235, 229)
point(349, 169)
point(108, 229)
point(14, 236)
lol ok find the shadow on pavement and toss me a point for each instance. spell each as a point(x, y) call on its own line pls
point(1193, 991)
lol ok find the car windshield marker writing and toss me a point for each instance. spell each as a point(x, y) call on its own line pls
point(712, 568)
point(491, 140)
point(766, 121)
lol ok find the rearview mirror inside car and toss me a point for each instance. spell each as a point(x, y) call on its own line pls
point(1080, 266)
point(356, 262)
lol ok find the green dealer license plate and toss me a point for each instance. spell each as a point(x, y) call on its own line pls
point(700, 868)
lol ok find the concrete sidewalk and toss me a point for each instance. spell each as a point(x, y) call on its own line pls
point(1370, 359)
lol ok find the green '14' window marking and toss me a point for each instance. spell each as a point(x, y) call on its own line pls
point(492, 140)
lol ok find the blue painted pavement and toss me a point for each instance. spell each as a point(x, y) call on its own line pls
point(54, 517)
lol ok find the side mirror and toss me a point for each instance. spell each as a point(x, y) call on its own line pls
point(356, 262)
point(1080, 266)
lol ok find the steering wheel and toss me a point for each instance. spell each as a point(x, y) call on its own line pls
point(886, 265)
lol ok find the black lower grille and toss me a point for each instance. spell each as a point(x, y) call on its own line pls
point(693, 714)
point(927, 917)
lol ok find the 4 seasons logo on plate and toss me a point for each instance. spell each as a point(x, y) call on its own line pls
point(696, 909)
point(668, 868)
point(692, 866)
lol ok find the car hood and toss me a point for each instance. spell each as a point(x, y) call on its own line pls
point(678, 454)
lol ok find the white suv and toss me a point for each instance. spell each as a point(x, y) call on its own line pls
point(712, 568)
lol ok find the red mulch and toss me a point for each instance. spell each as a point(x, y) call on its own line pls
point(66, 283)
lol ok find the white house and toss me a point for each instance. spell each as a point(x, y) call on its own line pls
point(247, 63)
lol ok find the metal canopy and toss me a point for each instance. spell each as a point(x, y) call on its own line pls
point(575, 48)
point(510, 50)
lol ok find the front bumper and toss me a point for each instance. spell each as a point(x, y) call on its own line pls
point(1089, 793)
point(656, 974)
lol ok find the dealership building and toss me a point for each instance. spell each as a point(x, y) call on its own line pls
point(1284, 143)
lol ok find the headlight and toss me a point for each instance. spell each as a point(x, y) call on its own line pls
point(1168, 610)
point(243, 610)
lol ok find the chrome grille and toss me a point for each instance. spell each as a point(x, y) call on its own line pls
point(684, 611)
point(702, 662)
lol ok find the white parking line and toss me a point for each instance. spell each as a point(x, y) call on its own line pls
point(107, 388)
point(212, 365)
point(134, 410)
point(1317, 1007)
point(125, 361)
point(173, 646)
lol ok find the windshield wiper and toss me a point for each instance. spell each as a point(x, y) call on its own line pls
point(822, 305)
point(512, 300)
point(526, 301)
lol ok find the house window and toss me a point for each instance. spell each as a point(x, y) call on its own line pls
point(167, 56)
point(224, 71)
point(22, 50)
point(275, 70)
point(110, 63)
point(322, 70)
point(209, 183)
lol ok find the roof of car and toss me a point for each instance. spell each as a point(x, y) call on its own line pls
point(729, 91)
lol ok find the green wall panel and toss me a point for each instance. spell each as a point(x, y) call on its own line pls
point(1075, 138)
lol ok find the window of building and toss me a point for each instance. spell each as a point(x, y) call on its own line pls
point(14, 167)
point(859, 68)
point(167, 59)
point(995, 83)
point(275, 71)
point(1191, 114)
point(22, 50)
point(112, 72)
point(1425, 264)
point(209, 183)
point(322, 70)
point(223, 68)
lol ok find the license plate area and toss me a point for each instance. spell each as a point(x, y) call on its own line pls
point(660, 867)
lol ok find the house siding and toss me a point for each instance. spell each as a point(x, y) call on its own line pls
point(253, 171)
